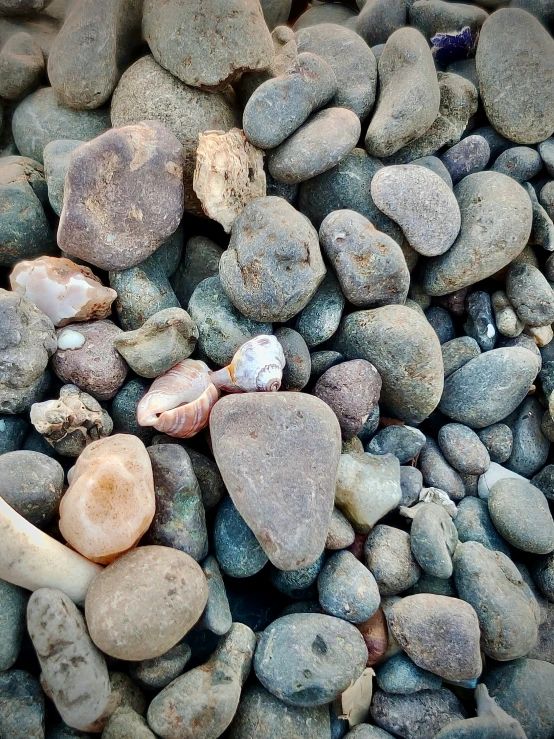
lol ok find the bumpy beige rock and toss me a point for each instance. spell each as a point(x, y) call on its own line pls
point(64, 291)
point(145, 602)
point(229, 174)
point(73, 670)
point(72, 422)
point(110, 501)
point(33, 560)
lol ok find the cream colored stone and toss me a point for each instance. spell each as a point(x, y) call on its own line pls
point(110, 502)
point(541, 334)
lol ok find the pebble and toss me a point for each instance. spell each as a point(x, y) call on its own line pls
point(13, 605)
point(378, 19)
point(291, 528)
point(521, 163)
point(400, 675)
point(433, 539)
point(525, 116)
point(40, 119)
point(317, 146)
point(480, 322)
point(238, 552)
point(21, 705)
point(13, 431)
point(298, 584)
point(411, 483)
point(32, 484)
point(524, 689)
point(347, 589)
point(542, 232)
point(468, 156)
point(441, 321)
point(341, 534)
point(405, 442)
point(457, 352)
point(297, 370)
point(324, 13)
point(389, 558)
point(319, 320)
point(474, 523)
point(21, 66)
point(352, 390)
point(529, 292)
point(418, 200)
point(435, 165)
point(156, 673)
point(505, 607)
point(544, 481)
point(367, 488)
point(530, 446)
point(492, 475)
point(163, 588)
point(96, 366)
point(505, 317)
point(439, 634)
point(279, 106)
point(463, 449)
point(281, 280)
point(309, 659)
point(124, 723)
point(56, 156)
point(417, 715)
point(262, 716)
point(351, 60)
point(206, 698)
point(164, 339)
point(521, 514)
point(124, 410)
point(441, 17)
point(406, 74)
point(406, 352)
point(489, 387)
point(200, 261)
point(370, 265)
point(438, 473)
point(182, 43)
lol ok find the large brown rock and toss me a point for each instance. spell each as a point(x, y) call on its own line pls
point(278, 455)
point(123, 196)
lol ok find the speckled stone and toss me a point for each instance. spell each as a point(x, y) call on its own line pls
point(297, 584)
point(411, 482)
point(236, 548)
point(438, 473)
point(418, 715)
point(531, 295)
point(222, 328)
point(474, 523)
point(463, 449)
point(324, 360)
point(13, 605)
point(521, 514)
point(389, 558)
point(520, 162)
point(379, 19)
point(507, 610)
point(32, 484)
point(530, 446)
point(542, 232)
point(21, 706)
point(296, 373)
point(341, 534)
point(468, 156)
point(441, 321)
point(124, 410)
point(13, 430)
point(124, 723)
point(405, 442)
point(489, 387)
point(217, 614)
point(406, 352)
point(457, 352)
point(319, 320)
point(309, 659)
point(544, 481)
point(480, 323)
point(400, 675)
point(156, 673)
point(347, 589)
point(200, 261)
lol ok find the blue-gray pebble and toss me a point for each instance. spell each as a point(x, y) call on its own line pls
point(405, 442)
point(468, 156)
point(521, 162)
point(433, 540)
point(463, 449)
point(400, 675)
point(237, 550)
point(347, 589)
point(480, 324)
point(474, 523)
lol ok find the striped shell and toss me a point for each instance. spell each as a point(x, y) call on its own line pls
point(256, 367)
point(180, 401)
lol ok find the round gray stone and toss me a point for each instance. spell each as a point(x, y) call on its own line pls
point(463, 449)
point(389, 557)
point(521, 514)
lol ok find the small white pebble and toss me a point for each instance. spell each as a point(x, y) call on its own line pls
point(490, 330)
point(2, 425)
point(70, 340)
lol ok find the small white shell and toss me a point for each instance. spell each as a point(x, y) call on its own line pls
point(256, 367)
point(179, 402)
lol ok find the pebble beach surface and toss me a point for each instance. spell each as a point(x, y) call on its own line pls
point(276, 369)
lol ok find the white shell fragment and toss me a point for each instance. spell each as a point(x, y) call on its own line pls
point(229, 174)
point(257, 366)
point(70, 340)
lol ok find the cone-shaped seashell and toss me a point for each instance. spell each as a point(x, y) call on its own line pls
point(65, 291)
point(179, 402)
point(256, 367)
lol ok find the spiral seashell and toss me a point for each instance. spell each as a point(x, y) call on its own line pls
point(180, 401)
point(256, 367)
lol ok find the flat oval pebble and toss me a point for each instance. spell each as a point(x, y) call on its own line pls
point(309, 659)
point(318, 145)
point(433, 539)
point(463, 449)
point(496, 224)
point(160, 595)
point(468, 156)
point(347, 589)
point(521, 514)
point(421, 203)
point(526, 114)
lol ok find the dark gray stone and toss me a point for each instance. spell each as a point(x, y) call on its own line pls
point(442, 323)
point(200, 261)
point(480, 251)
point(237, 550)
point(378, 19)
point(12, 432)
point(530, 293)
point(480, 324)
point(436, 16)
point(13, 605)
point(296, 373)
point(400, 675)
point(457, 352)
point(521, 162)
point(468, 156)
point(124, 410)
point(271, 283)
point(438, 473)
point(544, 481)
point(543, 575)
point(542, 232)
point(347, 589)
point(530, 446)
point(463, 449)
point(21, 706)
point(434, 585)
point(474, 523)
point(411, 482)
point(389, 558)
point(324, 360)
point(526, 114)
point(317, 146)
point(521, 514)
point(319, 320)
point(405, 442)
point(309, 659)
point(489, 387)
point(298, 584)
point(32, 484)
point(418, 715)
point(156, 673)
point(21, 66)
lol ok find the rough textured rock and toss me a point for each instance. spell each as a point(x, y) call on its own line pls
point(309, 659)
point(389, 557)
point(406, 352)
point(417, 716)
point(94, 366)
point(124, 723)
point(370, 265)
point(526, 114)
point(165, 591)
point(496, 224)
point(439, 634)
point(72, 667)
point(273, 265)
point(291, 528)
point(140, 166)
point(32, 484)
point(530, 294)
point(205, 44)
point(21, 705)
point(406, 75)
